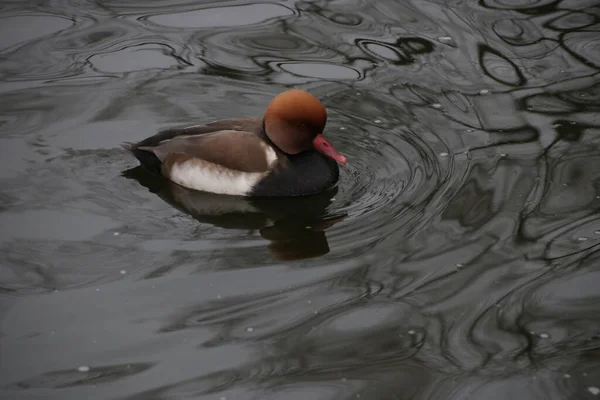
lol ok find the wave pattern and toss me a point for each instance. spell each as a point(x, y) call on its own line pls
point(457, 258)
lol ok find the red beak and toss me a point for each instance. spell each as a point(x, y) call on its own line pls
point(323, 146)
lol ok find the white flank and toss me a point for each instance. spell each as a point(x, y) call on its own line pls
point(214, 178)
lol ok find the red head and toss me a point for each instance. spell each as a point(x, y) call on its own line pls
point(294, 121)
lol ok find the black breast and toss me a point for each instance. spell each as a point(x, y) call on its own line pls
point(309, 172)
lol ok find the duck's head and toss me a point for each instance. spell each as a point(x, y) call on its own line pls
point(294, 121)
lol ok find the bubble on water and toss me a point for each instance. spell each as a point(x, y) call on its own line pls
point(594, 390)
point(249, 329)
point(436, 105)
point(484, 91)
point(123, 272)
point(83, 368)
point(444, 154)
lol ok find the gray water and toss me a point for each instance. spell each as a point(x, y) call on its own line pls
point(457, 258)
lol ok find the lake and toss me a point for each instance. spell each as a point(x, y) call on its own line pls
point(458, 257)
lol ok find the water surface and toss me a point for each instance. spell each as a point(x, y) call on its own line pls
point(457, 258)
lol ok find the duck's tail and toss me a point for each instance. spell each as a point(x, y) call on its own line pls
point(129, 146)
point(145, 156)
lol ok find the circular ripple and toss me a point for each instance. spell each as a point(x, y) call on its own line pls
point(390, 176)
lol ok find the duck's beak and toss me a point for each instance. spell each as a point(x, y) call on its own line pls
point(323, 146)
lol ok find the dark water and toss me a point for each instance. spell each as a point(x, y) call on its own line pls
point(458, 258)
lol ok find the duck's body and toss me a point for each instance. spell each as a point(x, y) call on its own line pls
point(245, 156)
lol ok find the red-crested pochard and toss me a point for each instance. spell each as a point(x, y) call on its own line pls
point(282, 154)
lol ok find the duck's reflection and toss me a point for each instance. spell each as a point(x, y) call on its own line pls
point(294, 226)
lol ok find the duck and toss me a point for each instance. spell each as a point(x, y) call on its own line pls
point(282, 154)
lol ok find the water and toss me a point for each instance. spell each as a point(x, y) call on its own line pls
point(458, 257)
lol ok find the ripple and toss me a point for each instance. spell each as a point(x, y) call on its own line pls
point(459, 251)
point(572, 20)
point(344, 18)
point(274, 55)
point(517, 32)
point(391, 174)
point(548, 104)
point(136, 58)
point(228, 16)
point(319, 70)
point(384, 51)
point(585, 46)
point(588, 97)
point(53, 225)
point(531, 6)
point(271, 42)
point(81, 376)
point(26, 28)
point(500, 68)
